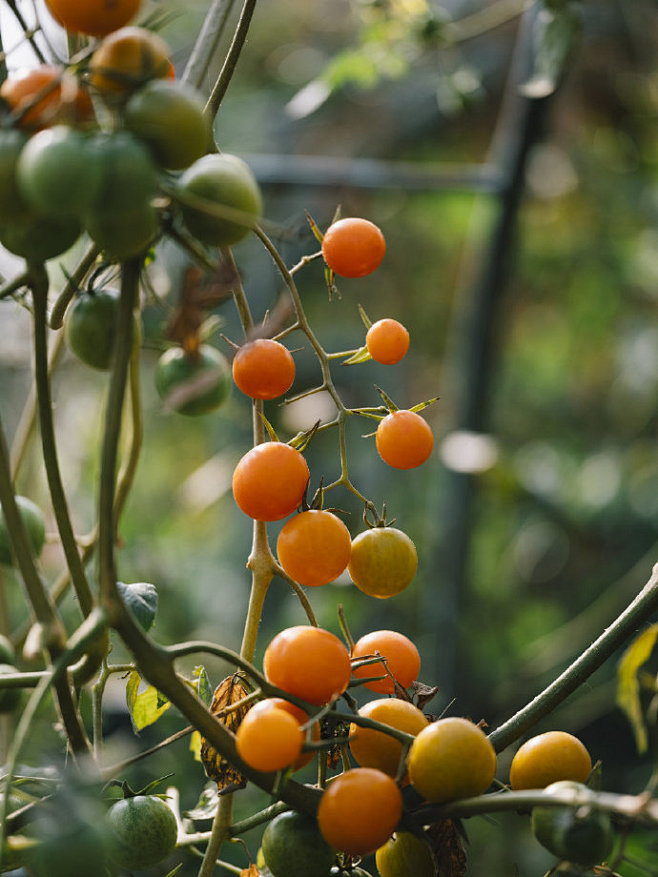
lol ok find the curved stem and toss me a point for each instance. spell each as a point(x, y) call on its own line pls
point(637, 613)
point(71, 287)
point(109, 452)
point(39, 286)
point(227, 71)
point(220, 832)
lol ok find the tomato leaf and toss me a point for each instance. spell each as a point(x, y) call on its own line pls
point(141, 598)
point(146, 706)
point(361, 355)
point(195, 745)
point(204, 688)
point(628, 686)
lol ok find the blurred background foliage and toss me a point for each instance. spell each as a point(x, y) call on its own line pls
point(535, 520)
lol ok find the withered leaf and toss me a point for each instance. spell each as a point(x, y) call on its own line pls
point(424, 693)
point(447, 842)
point(229, 692)
point(200, 293)
point(251, 871)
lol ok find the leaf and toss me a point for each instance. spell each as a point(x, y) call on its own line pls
point(195, 745)
point(204, 689)
point(205, 807)
point(141, 598)
point(361, 355)
point(555, 31)
point(228, 693)
point(628, 686)
point(146, 706)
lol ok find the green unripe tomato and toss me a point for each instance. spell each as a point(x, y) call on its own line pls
point(224, 181)
point(293, 846)
point(57, 172)
point(404, 854)
point(143, 831)
point(121, 234)
point(169, 118)
point(34, 524)
point(129, 177)
point(91, 327)
point(38, 238)
point(12, 142)
point(193, 385)
point(9, 697)
point(579, 834)
point(7, 652)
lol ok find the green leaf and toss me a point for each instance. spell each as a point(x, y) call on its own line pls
point(145, 706)
point(628, 686)
point(361, 355)
point(141, 598)
point(204, 688)
point(555, 32)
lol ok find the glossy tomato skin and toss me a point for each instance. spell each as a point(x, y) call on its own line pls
point(269, 481)
point(46, 95)
point(125, 61)
point(169, 117)
point(39, 238)
point(95, 18)
point(34, 523)
point(548, 758)
point(404, 439)
point(263, 368)
point(383, 561)
point(193, 384)
point(405, 854)
point(129, 178)
point(308, 662)
point(12, 142)
point(58, 174)
point(577, 833)
point(90, 327)
point(402, 660)
point(314, 547)
point(293, 846)
point(121, 234)
point(223, 181)
point(143, 831)
point(353, 247)
point(269, 738)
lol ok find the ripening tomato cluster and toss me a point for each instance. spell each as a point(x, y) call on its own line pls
point(112, 149)
point(392, 744)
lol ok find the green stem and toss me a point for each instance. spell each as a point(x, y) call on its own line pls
point(71, 287)
point(204, 47)
point(230, 63)
point(219, 833)
point(625, 625)
point(39, 285)
point(109, 452)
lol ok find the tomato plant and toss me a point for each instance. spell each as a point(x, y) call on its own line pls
point(269, 481)
point(46, 95)
point(360, 810)
point(220, 199)
point(263, 368)
point(451, 758)
point(387, 341)
point(94, 17)
point(193, 383)
point(401, 655)
point(125, 61)
point(293, 846)
point(9, 697)
point(314, 547)
point(383, 561)
point(12, 141)
point(405, 853)
point(308, 662)
point(143, 831)
point(404, 439)
point(269, 738)
point(57, 172)
point(91, 326)
point(169, 117)
point(547, 758)
point(580, 833)
point(35, 527)
point(302, 719)
point(353, 247)
point(372, 748)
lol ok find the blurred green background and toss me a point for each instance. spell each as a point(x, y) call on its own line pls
point(535, 520)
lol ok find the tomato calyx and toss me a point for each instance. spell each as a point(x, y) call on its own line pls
point(148, 789)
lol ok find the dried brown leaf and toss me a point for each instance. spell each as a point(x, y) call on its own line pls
point(447, 842)
point(227, 694)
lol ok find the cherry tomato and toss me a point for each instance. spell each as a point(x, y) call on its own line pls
point(314, 547)
point(270, 480)
point(404, 439)
point(353, 247)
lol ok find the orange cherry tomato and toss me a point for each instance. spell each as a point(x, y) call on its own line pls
point(353, 247)
point(387, 341)
point(402, 660)
point(314, 547)
point(404, 439)
point(308, 662)
point(269, 481)
point(263, 369)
